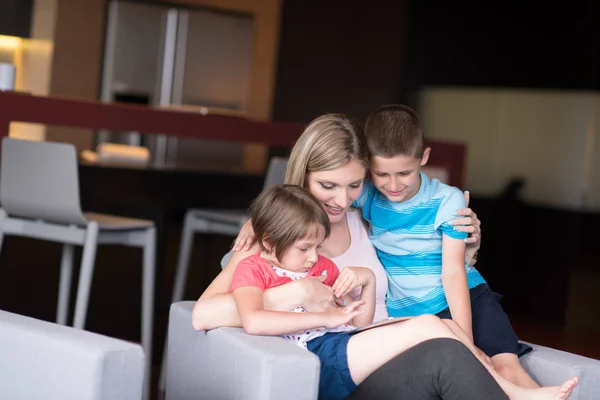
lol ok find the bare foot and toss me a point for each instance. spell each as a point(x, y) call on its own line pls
point(561, 392)
point(565, 390)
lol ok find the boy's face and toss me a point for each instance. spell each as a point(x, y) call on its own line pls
point(397, 178)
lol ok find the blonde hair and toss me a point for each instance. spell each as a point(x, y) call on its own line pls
point(328, 142)
point(284, 214)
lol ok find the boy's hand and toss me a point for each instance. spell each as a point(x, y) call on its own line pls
point(350, 278)
point(344, 315)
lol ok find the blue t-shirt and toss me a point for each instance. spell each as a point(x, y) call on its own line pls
point(408, 239)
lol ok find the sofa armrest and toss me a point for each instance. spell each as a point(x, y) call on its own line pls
point(552, 367)
point(43, 360)
point(200, 364)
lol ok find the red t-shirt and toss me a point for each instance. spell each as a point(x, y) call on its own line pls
point(256, 271)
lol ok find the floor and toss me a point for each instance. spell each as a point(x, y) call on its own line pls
point(548, 281)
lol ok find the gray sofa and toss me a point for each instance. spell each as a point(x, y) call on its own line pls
point(226, 363)
point(42, 360)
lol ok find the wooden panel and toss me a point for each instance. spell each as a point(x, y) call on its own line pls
point(78, 40)
point(95, 114)
point(122, 117)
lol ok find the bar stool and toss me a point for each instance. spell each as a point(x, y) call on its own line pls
point(39, 192)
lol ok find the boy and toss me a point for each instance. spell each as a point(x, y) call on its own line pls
point(422, 254)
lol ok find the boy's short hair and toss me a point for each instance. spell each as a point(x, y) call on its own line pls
point(284, 214)
point(394, 130)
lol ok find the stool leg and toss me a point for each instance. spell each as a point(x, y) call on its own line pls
point(183, 262)
point(2, 217)
point(64, 287)
point(148, 303)
point(181, 273)
point(86, 274)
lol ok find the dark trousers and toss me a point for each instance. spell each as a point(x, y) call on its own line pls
point(435, 369)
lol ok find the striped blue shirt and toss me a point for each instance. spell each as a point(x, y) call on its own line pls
point(408, 239)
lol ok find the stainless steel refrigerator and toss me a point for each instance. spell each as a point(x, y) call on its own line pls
point(177, 56)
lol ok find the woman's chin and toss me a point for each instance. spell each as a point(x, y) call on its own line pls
point(334, 219)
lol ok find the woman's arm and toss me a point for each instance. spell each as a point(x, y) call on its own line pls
point(216, 306)
point(258, 321)
point(367, 294)
point(454, 280)
point(353, 277)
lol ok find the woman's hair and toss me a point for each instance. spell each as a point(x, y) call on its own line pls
point(328, 142)
point(284, 214)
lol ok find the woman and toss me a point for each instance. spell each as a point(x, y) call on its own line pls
point(330, 159)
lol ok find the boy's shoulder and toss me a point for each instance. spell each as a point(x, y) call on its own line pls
point(448, 199)
point(366, 194)
point(439, 189)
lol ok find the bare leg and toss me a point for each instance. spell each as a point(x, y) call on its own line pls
point(506, 364)
point(369, 350)
point(462, 336)
point(509, 366)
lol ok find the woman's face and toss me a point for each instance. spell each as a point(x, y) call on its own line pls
point(336, 189)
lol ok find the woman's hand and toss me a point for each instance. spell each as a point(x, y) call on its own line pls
point(246, 238)
point(344, 315)
point(316, 296)
point(467, 221)
point(350, 278)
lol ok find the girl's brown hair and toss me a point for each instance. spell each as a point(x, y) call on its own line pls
point(284, 214)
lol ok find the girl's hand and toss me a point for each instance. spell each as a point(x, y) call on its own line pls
point(468, 222)
point(315, 295)
point(246, 238)
point(350, 278)
point(344, 315)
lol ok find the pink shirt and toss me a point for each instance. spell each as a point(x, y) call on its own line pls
point(256, 271)
point(361, 253)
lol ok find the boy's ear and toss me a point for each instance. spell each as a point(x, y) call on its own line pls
point(425, 157)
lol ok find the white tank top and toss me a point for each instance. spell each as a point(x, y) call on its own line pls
point(361, 253)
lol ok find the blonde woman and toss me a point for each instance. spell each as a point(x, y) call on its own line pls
point(330, 159)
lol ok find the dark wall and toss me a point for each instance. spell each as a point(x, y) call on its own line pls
point(502, 44)
point(15, 17)
point(352, 56)
point(339, 56)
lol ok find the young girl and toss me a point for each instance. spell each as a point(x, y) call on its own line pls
point(290, 225)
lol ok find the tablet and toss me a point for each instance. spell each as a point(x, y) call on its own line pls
point(390, 320)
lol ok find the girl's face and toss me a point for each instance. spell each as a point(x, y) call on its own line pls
point(301, 256)
point(337, 189)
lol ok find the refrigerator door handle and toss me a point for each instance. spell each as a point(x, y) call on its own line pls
point(180, 57)
point(166, 82)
